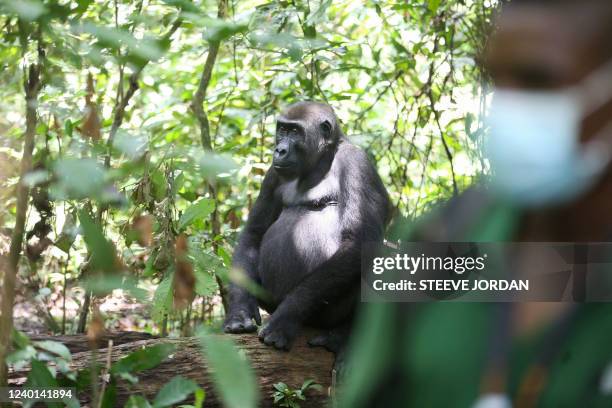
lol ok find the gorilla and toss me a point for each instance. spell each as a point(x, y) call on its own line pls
point(318, 203)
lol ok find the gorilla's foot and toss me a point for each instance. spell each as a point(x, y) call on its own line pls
point(241, 322)
point(279, 333)
point(333, 340)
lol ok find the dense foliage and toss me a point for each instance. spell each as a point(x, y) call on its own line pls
point(155, 120)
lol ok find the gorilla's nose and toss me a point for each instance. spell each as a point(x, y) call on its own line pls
point(280, 152)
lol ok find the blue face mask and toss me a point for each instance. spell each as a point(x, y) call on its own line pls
point(533, 149)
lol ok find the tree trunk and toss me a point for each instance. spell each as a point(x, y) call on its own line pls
point(271, 366)
point(78, 343)
point(206, 140)
point(32, 86)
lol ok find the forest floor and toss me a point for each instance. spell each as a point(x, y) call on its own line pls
point(121, 314)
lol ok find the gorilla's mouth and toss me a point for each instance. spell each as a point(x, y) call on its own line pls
point(284, 167)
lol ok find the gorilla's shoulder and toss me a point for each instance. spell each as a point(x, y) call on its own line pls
point(352, 152)
point(352, 159)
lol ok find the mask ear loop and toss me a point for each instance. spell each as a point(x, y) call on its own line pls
point(600, 145)
point(595, 90)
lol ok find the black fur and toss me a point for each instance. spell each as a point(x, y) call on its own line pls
point(302, 243)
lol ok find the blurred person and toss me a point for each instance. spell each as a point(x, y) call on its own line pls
point(549, 148)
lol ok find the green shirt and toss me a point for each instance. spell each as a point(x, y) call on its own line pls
point(435, 354)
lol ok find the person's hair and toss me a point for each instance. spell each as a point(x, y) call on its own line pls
point(591, 19)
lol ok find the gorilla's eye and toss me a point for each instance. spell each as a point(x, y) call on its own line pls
point(326, 128)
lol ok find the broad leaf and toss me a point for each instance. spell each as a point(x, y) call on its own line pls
point(174, 392)
point(55, 348)
point(101, 250)
point(79, 178)
point(231, 372)
point(137, 401)
point(200, 209)
point(206, 284)
point(40, 377)
point(162, 299)
point(219, 30)
point(143, 359)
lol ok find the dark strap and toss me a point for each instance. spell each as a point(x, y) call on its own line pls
point(494, 380)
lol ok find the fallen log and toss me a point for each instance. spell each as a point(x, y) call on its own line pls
point(78, 342)
point(271, 366)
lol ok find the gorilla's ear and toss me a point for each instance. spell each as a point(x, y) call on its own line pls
point(326, 129)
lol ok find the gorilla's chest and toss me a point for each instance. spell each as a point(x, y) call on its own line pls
point(306, 233)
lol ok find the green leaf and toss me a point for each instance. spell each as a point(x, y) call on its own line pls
point(133, 146)
point(143, 359)
point(146, 49)
point(68, 127)
point(433, 5)
point(132, 379)
point(200, 394)
point(319, 15)
point(295, 52)
point(211, 164)
point(200, 209)
point(20, 340)
point(174, 392)
point(137, 401)
point(160, 186)
point(101, 250)
point(162, 299)
point(227, 258)
point(22, 356)
point(79, 178)
point(27, 9)
point(206, 284)
point(36, 177)
point(231, 372)
point(281, 386)
point(310, 384)
point(68, 235)
point(184, 5)
point(219, 30)
point(55, 348)
point(40, 377)
point(204, 262)
point(109, 398)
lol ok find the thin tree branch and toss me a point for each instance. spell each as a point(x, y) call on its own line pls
point(197, 101)
point(449, 155)
point(380, 95)
point(124, 100)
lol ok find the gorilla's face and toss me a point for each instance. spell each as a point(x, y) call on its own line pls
point(303, 133)
point(290, 148)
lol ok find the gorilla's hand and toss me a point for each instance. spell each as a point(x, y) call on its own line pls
point(240, 318)
point(279, 332)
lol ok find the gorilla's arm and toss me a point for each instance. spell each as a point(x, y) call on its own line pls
point(243, 305)
point(364, 211)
